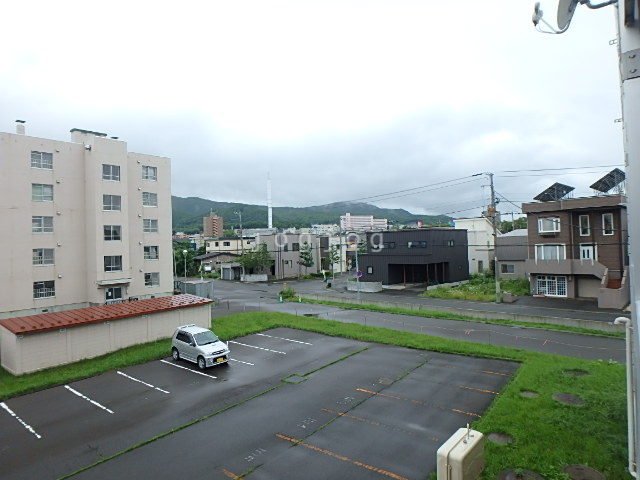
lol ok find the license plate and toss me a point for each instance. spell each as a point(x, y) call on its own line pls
point(219, 359)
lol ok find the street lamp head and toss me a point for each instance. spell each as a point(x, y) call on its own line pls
point(185, 251)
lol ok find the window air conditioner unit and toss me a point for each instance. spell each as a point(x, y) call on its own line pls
point(462, 456)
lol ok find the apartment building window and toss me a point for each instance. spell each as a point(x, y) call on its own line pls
point(112, 232)
point(295, 247)
point(607, 223)
point(507, 268)
point(111, 172)
point(550, 252)
point(44, 289)
point(42, 256)
point(226, 244)
point(113, 294)
point(551, 285)
point(585, 229)
point(149, 199)
point(113, 263)
point(149, 173)
point(151, 279)
point(111, 203)
point(150, 225)
point(417, 244)
point(41, 160)
point(548, 225)
point(41, 192)
point(151, 252)
point(41, 224)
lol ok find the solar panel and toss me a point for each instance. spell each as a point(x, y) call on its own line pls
point(611, 180)
point(554, 192)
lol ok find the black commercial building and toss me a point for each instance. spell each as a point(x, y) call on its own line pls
point(430, 256)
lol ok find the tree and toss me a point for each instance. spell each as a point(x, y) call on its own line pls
point(333, 257)
point(306, 256)
point(257, 259)
point(507, 226)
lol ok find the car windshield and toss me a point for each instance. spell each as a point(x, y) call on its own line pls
point(205, 338)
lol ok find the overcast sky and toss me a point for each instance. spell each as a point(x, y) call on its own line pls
point(336, 100)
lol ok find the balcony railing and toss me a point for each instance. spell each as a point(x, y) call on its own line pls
point(565, 267)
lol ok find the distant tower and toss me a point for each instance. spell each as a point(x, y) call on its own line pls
point(269, 207)
point(213, 225)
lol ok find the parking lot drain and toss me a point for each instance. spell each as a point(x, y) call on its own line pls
point(295, 379)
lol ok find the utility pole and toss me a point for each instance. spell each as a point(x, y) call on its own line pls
point(241, 234)
point(493, 218)
point(494, 223)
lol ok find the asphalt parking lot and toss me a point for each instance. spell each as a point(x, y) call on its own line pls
point(291, 404)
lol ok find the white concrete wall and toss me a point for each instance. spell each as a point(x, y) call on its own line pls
point(27, 353)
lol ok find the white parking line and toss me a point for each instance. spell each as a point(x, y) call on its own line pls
point(240, 361)
point(88, 399)
point(281, 338)
point(259, 348)
point(140, 381)
point(188, 369)
point(24, 424)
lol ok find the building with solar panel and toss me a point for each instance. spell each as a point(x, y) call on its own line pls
point(578, 247)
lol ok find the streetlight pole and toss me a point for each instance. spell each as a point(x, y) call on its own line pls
point(184, 254)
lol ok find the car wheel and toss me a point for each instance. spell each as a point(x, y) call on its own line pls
point(175, 354)
point(201, 363)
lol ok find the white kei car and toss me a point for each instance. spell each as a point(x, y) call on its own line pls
point(198, 345)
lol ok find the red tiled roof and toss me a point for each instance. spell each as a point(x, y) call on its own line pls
point(102, 313)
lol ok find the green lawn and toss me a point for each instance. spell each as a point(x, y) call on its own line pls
point(481, 288)
point(548, 435)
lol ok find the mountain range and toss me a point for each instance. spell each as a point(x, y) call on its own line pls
point(188, 213)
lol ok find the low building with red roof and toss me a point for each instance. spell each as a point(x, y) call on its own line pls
point(46, 340)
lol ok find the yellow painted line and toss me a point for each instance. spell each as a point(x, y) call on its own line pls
point(296, 441)
point(419, 402)
point(479, 390)
point(448, 365)
point(230, 474)
point(495, 373)
point(373, 422)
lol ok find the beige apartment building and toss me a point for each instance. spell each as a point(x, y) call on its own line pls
point(85, 223)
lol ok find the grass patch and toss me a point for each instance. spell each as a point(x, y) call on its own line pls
point(454, 316)
point(480, 288)
point(548, 435)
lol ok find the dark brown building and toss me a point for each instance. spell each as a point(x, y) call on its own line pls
point(578, 249)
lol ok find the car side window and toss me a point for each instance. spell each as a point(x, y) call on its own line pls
point(183, 337)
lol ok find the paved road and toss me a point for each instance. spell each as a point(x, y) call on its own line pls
point(236, 297)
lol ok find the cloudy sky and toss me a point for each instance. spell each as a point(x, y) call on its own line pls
point(395, 102)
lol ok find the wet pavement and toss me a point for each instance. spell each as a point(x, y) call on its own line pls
point(293, 404)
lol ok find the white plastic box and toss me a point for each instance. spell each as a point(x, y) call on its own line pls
point(462, 456)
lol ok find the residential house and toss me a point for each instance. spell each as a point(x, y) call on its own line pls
point(100, 223)
point(578, 248)
point(480, 240)
point(236, 245)
point(512, 250)
point(426, 256)
point(285, 249)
